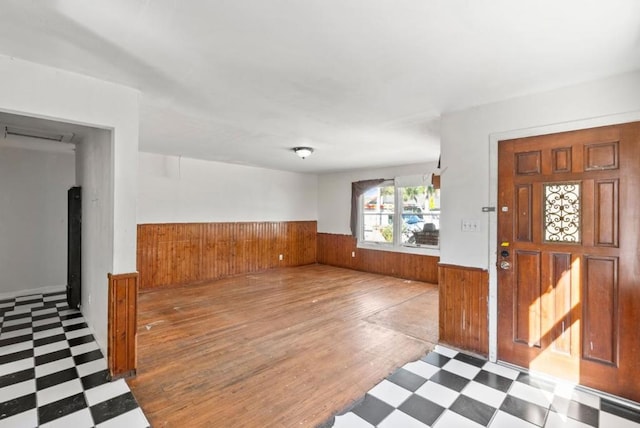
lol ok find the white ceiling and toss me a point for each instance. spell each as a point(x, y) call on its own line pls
point(362, 81)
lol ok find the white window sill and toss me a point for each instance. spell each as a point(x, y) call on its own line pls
point(423, 250)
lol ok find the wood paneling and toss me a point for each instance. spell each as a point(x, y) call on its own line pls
point(280, 348)
point(182, 253)
point(463, 320)
point(600, 309)
point(122, 328)
point(342, 251)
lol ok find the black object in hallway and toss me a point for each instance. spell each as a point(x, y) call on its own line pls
point(74, 247)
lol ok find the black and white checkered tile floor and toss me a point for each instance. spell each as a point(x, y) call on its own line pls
point(52, 372)
point(448, 389)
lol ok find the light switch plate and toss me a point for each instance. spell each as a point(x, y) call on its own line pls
point(470, 225)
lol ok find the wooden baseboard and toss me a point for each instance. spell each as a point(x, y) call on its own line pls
point(122, 325)
point(339, 250)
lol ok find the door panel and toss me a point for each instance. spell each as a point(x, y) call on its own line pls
point(606, 213)
point(601, 156)
point(561, 159)
point(568, 231)
point(524, 210)
point(527, 287)
point(600, 312)
point(528, 163)
point(561, 282)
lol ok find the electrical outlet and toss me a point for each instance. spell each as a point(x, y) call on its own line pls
point(353, 254)
point(281, 257)
point(470, 225)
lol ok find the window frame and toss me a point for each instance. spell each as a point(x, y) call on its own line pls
point(396, 245)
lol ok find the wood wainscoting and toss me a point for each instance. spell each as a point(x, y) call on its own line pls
point(182, 253)
point(338, 250)
point(122, 328)
point(464, 316)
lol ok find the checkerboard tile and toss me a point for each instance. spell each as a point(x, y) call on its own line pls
point(52, 372)
point(449, 389)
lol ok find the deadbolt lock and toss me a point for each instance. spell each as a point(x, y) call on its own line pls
point(505, 265)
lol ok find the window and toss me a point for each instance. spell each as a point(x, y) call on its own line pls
point(400, 215)
point(378, 210)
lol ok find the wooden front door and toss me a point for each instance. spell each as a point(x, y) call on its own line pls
point(568, 270)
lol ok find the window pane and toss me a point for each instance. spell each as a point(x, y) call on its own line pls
point(377, 218)
point(420, 215)
point(378, 228)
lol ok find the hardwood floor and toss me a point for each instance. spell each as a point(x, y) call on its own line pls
point(282, 348)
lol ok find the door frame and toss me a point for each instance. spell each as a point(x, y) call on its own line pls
point(494, 138)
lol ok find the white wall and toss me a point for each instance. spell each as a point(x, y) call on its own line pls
point(182, 190)
point(466, 142)
point(94, 175)
point(33, 219)
point(334, 193)
point(35, 90)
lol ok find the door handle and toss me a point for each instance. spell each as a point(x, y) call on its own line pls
point(505, 265)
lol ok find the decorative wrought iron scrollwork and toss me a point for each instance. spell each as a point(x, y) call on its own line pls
point(562, 212)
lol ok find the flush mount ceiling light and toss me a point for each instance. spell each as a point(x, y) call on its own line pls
point(303, 152)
